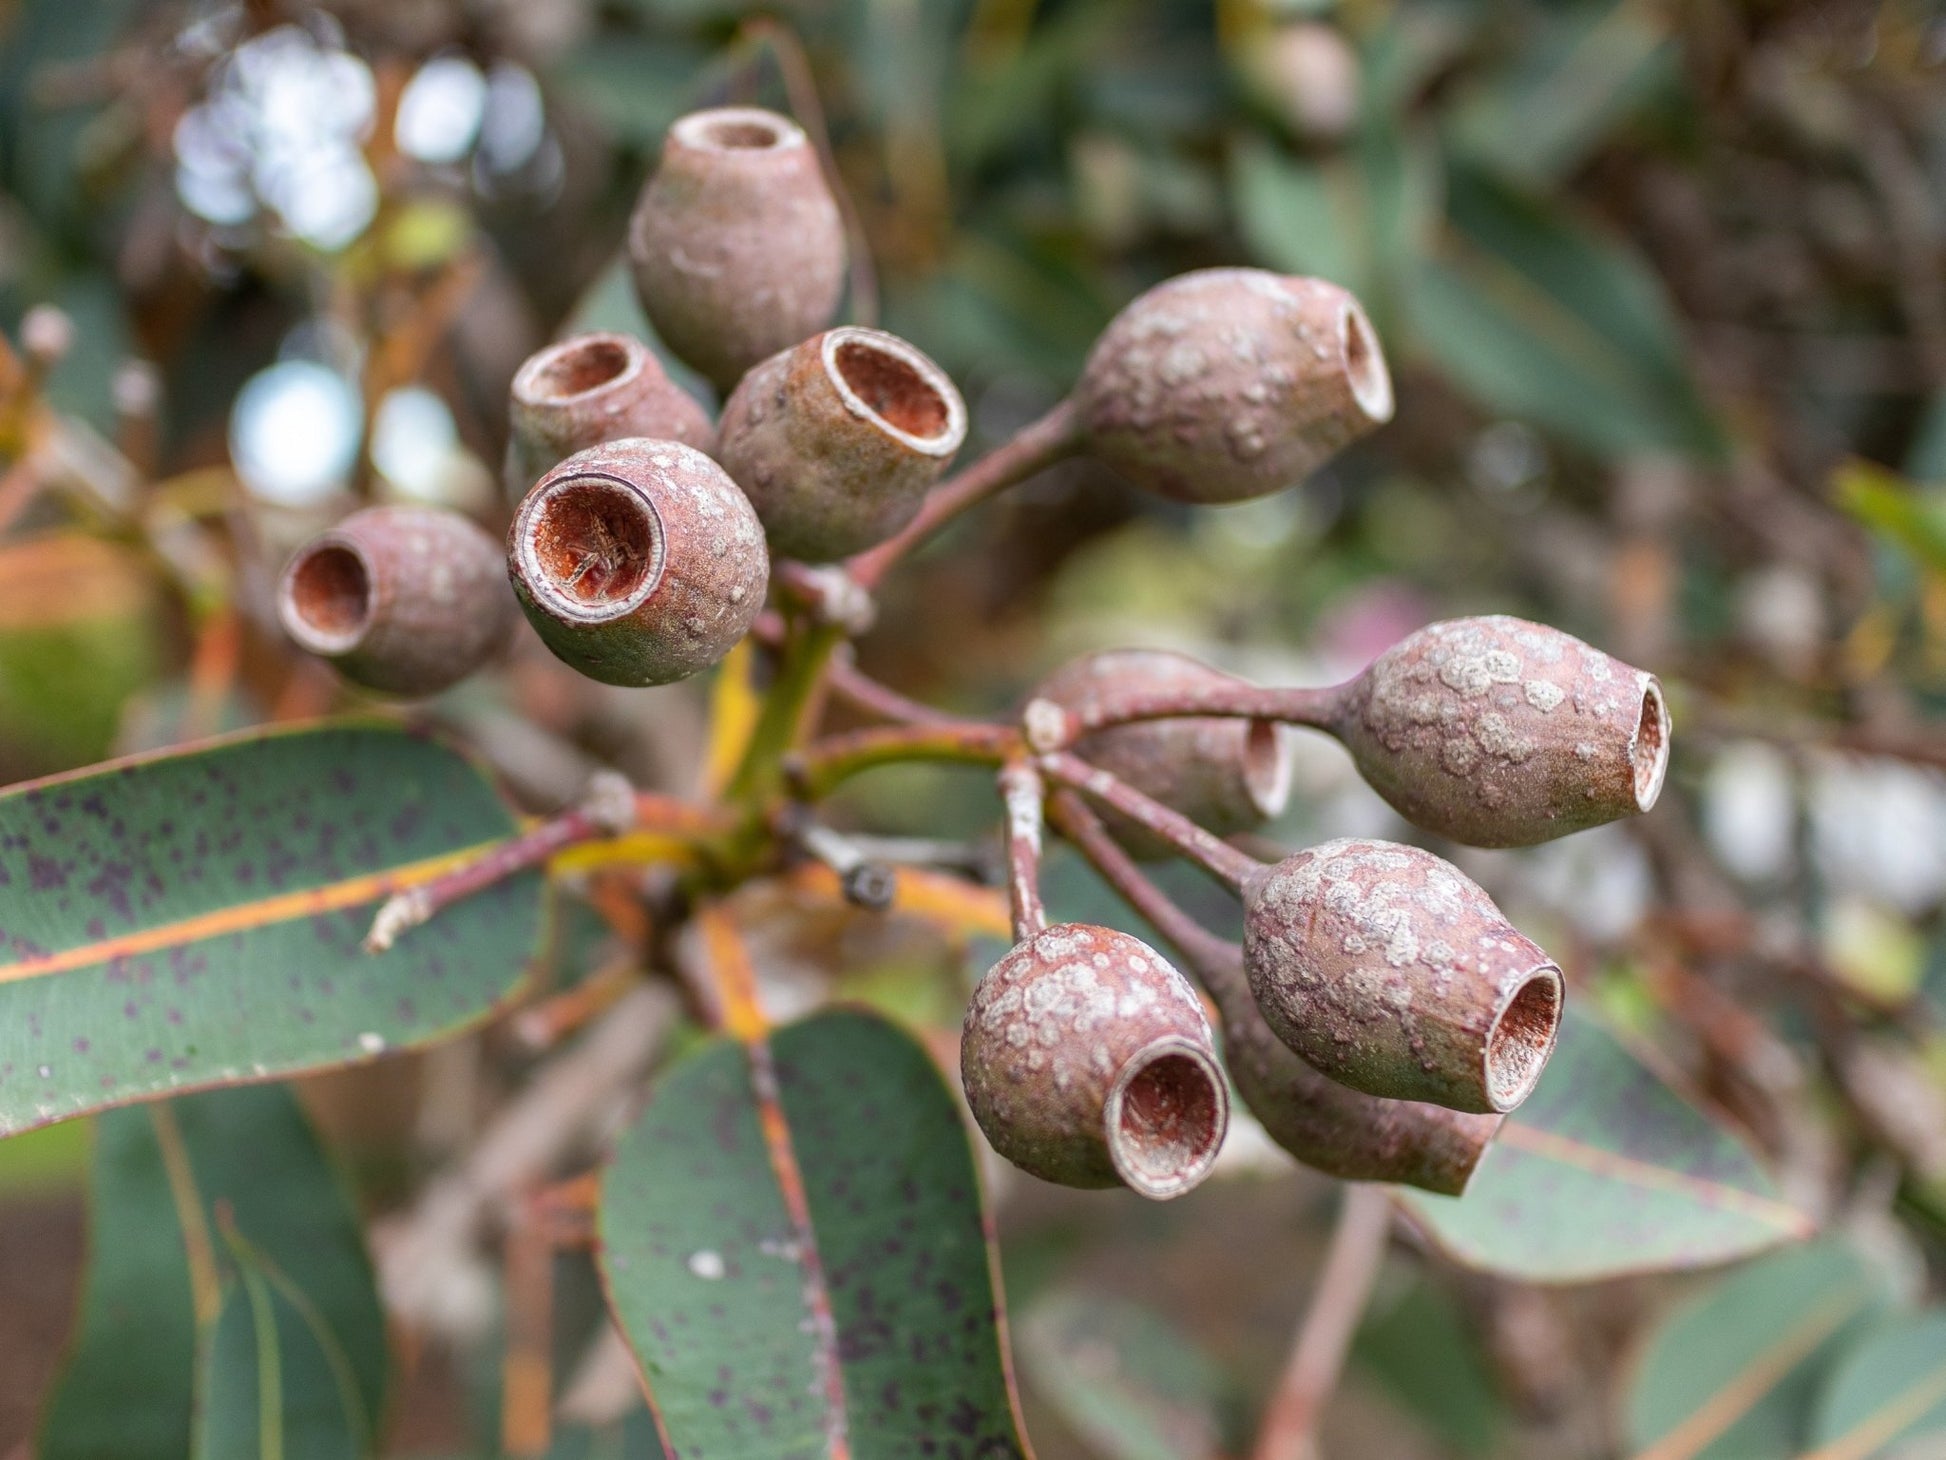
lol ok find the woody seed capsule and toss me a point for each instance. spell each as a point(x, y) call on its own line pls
point(736, 245)
point(1498, 732)
point(1088, 1061)
point(1387, 969)
point(837, 439)
point(592, 388)
point(1334, 1128)
point(1227, 384)
point(404, 600)
point(1226, 775)
point(638, 562)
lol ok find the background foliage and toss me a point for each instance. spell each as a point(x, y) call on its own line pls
point(1664, 289)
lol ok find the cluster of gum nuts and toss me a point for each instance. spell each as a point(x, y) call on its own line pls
point(1381, 1015)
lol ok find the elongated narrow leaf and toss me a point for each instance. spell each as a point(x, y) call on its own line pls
point(1539, 317)
point(1358, 219)
point(175, 1176)
point(195, 918)
point(1606, 1170)
point(1585, 68)
point(1733, 1372)
point(1886, 1392)
point(793, 1242)
point(275, 1382)
point(1124, 1378)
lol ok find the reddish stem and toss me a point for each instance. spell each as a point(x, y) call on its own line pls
point(1318, 708)
point(863, 693)
point(1025, 795)
point(1290, 1424)
point(1032, 449)
point(611, 808)
point(1215, 856)
point(1213, 959)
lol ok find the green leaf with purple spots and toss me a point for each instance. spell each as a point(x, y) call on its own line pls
point(1606, 1170)
point(793, 1242)
point(194, 918)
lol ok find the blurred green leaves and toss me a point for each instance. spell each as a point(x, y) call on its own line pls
point(228, 1269)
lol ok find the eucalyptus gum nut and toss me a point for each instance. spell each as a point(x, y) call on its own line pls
point(1088, 1061)
point(1227, 775)
point(836, 440)
point(404, 600)
point(1498, 732)
point(638, 562)
point(736, 246)
point(1387, 969)
point(1335, 1129)
point(592, 388)
point(1227, 384)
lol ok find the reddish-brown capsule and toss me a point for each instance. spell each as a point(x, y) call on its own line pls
point(737, 247)
point(836, 440)
point(1502, 733)
point(592, 388)
point(1226, 775)
point(1088, 1061)
point(1387, 969)
point(1227, 384)
point(405, 600)
point(1338, 1130)
point(638, 562)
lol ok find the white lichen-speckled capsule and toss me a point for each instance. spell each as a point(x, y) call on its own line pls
point(1333, 1128)
point(1388, 969)
point(591, 388)
point(404, 600)
point(1498, 732)
point(638, 562)
point(1227, 384)
point(836, 440)
point(1088, 1061)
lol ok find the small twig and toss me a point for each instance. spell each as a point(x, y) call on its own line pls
point(610, 808)
point(865, 881)
point(863, 693)
point(824, 764)
point(1214, 855)
point(1032, 449)
point(1024, 793)
point(1213, 959)
point(527, 1363)
point(1055, 727)
point(1290, 1423)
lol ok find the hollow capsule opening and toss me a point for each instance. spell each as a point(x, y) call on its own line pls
point(1371, 382)
point(575, 367)
point(1650, 755)
point(733, 135)
point(905, 392)
point(1167, 1121)
point(1522, 1038)
point(327, 599)
point(737, 129)
point(596, 543)
point(1268, 766)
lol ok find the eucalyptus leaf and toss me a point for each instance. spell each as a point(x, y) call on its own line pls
point(1606, 1170)
point(195, 918)
point(1734, 1371)
point(793, 1242)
